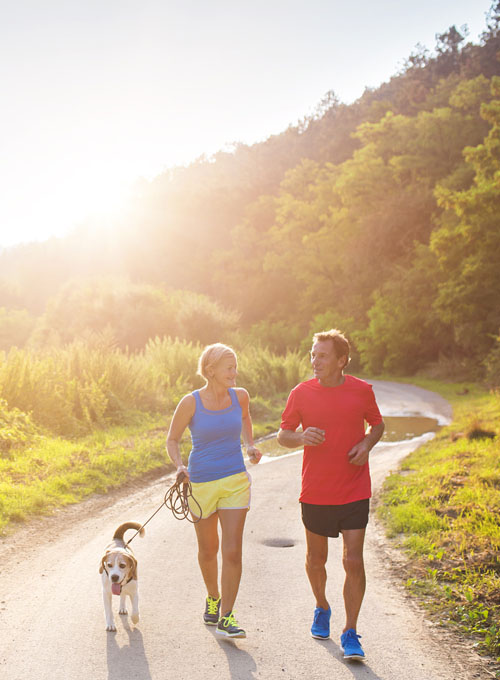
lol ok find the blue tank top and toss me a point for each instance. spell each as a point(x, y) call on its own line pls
point(215, 435)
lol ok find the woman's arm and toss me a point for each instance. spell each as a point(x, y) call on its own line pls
point(180, 420)
point(254, 454)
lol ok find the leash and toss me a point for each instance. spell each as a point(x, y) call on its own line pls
point(175, 500)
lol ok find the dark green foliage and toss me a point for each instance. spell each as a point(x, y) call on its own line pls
point(492, 364)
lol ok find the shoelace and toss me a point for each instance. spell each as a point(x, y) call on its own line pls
point(213, 605)
point(229, 621)
point(352, 636)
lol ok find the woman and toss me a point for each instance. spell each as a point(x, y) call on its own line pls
point(217, 416)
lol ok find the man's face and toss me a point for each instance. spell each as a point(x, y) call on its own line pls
point(326, 365)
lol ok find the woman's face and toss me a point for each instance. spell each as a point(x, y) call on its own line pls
point(225, 371)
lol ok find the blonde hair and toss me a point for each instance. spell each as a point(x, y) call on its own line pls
point(211, 356)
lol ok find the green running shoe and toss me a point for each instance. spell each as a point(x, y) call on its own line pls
point(211, 613)
point(228, 626)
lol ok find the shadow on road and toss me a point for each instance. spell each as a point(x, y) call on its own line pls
point(241, 664)
point(359, 669)
point(121, 660)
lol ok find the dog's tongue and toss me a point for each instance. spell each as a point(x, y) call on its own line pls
point(116, 588)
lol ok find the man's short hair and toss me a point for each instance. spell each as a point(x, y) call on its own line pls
point(340, 343)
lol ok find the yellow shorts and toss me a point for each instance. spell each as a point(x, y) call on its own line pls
point(228, 493)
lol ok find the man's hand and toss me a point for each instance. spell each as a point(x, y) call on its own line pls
point(313, 436)
point(358, 455)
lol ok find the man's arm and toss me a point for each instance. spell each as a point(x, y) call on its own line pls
point(358, 455)
point(311, 436)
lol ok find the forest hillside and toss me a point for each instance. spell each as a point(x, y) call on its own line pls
point(379, 217)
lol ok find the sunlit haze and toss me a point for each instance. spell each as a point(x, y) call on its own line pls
point(99, 94)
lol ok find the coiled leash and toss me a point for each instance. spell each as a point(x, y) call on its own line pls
point(177, 501)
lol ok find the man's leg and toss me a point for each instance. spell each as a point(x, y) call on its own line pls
point(355, 581)
point(316, 556)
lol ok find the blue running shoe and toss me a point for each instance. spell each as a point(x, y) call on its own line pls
point(351, 645)
point(321, 624)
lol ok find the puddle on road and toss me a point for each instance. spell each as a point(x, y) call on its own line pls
point(397, 429)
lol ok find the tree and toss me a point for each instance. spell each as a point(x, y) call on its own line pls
point(132, 312)
point(404, 331)
point(467, 244)
point(16, 326)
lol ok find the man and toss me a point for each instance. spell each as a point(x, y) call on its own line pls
point(332, 409)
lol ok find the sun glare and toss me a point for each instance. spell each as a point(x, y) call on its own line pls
point(59, 204)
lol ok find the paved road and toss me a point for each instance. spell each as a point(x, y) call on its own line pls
point(52, 622)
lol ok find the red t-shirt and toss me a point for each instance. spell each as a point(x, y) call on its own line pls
point(328, 478)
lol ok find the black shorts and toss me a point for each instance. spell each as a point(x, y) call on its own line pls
point(330, 520)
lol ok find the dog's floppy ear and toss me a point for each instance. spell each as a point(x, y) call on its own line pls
point(133, 569)
point(101, 563)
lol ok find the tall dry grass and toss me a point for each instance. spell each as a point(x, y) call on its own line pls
point(75, 389)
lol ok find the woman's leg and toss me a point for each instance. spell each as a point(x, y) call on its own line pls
point(208, 547)
point(232, 523)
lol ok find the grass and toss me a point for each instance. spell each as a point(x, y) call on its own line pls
point(54, 471)
point(79, 419)
point(443, 508)
point(51, 472)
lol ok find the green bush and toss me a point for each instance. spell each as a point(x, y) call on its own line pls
point(198, 318)
point(16, 326)
point(89, 385)
point(16, 428)
point(277, 336)
point(492, 364)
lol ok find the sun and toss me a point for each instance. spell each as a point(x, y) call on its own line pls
point(54, 204)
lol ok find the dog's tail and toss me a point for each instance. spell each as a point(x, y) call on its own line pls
point(128, 525)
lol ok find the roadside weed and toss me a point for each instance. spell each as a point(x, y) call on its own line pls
point(446, 516)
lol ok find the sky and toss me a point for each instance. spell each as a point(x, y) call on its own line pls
point(99, 93)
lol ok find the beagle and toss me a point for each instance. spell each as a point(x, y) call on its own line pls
point(118, 571)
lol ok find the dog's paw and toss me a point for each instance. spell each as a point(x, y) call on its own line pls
point(123, 612)
point(135, 618)
point(111, 628)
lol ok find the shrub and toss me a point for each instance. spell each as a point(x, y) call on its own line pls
point(492, 364)
point(16, 428)
point(15, 327)
point(198, 318)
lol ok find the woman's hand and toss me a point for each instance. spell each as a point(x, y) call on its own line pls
point(182, 474)
point(254, 455)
